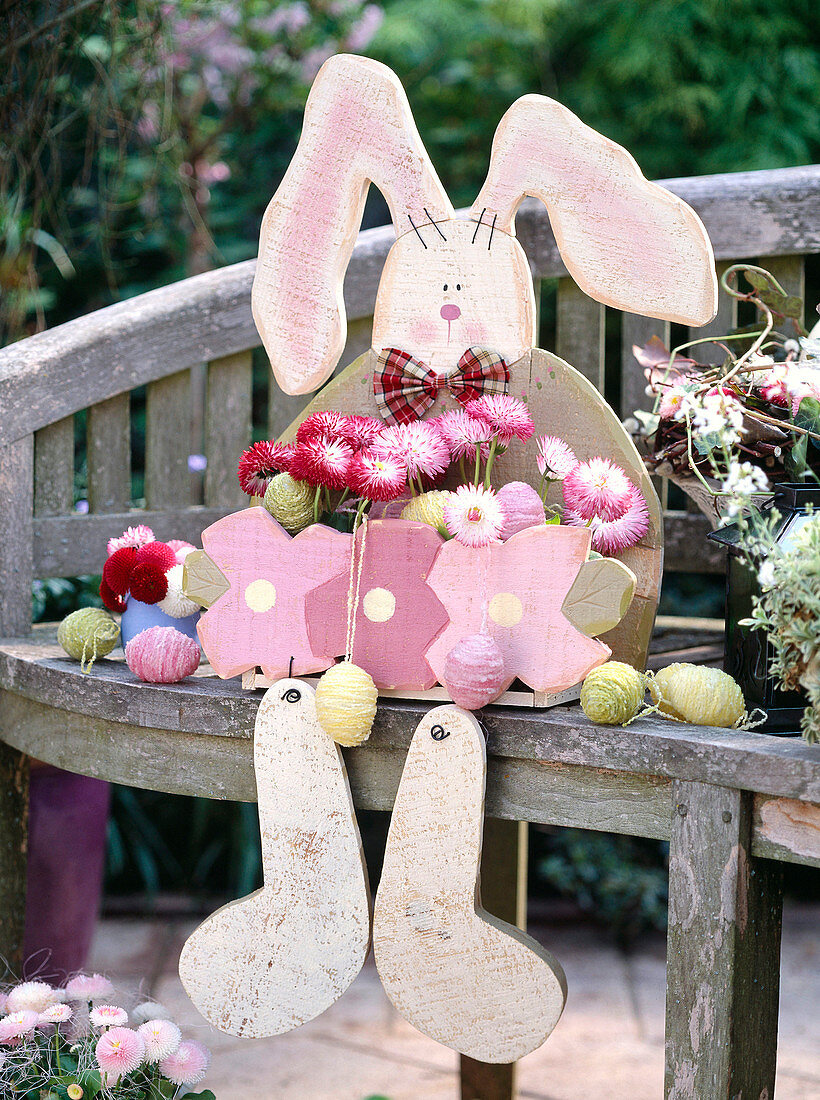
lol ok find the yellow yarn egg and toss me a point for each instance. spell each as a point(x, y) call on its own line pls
point(88, 634)
point(693, 693)
point(427, 508)
point(290, 502)
point(346, 703)
point(612, 693)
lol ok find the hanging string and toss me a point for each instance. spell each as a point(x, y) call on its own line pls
point(353, 595)
point(485, 603)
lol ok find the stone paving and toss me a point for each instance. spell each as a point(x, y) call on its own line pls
point(609, 1042)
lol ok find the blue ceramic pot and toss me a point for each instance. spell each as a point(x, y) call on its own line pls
point(140, 616)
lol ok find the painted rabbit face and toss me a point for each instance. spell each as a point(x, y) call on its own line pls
point(448, 283)
point(451, 286)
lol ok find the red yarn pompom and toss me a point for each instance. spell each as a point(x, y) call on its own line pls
point(117, 570)
point(148, 584)
point(110, 598)
point(159, 554)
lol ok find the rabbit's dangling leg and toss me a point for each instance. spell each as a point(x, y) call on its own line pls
point(279, 957)
point(462, 977)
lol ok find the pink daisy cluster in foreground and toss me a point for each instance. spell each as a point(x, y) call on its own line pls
point(45, 1030)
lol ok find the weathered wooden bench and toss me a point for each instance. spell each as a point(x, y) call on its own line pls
point(731, 804)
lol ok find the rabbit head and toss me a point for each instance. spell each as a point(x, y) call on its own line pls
point(451, 282)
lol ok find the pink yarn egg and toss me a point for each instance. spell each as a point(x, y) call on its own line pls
point(162, 655)
point(474, 671)
point(522, 508)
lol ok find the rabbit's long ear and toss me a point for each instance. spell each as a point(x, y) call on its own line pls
point(627, 242)
point(358, 129)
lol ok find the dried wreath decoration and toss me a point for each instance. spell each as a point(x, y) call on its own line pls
point(729, 431)
point(727, 434)
point(349, 465)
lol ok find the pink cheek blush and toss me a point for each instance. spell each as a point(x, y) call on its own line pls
point(450, 312)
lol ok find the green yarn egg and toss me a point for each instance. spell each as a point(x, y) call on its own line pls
point(290, 502)
point(88, 634)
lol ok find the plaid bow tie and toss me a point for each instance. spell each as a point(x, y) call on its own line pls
point(405, 387)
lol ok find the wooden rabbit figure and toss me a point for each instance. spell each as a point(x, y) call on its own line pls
point(456, 298)
point(451, 283)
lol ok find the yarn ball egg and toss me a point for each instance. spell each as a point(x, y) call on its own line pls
point(427, 508)
point(703, 696)
point(522, 507)
point(162, 655)
point(611, 694)
point(175, 603)
point(87, 634)
point(474, 671)
point(346, 703)
point(290, 502)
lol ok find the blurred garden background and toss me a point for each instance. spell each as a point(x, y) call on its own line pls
point(141, 140)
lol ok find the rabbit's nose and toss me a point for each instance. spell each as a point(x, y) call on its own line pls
point(450, 312)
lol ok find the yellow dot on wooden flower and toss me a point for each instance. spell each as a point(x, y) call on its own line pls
point(379, 605)
point(506, 609)
point(260, 595)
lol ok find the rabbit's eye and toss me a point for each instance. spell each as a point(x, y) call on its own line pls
point(458, 286)
point(445, 286)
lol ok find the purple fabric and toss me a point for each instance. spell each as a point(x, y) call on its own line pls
point(68, 815)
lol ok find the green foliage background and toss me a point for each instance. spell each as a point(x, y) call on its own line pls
point(104, 157)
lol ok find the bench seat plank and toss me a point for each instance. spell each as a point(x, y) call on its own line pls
point(551, 766)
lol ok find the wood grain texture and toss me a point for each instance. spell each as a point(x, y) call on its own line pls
point(747, 214)
point(564, 403)
point(787, 829)
point(579, 335)
point(518, 587)
point(167, 441)
point(637, 330)
point(108, 449)
point(69, 545)
point(227, 427)
point(202, 579)
point(16, 536)
point(357, 128)
point(504, 895)
point(34, 671)
point(278, 958)
point(723, 950)
point(599, 596)
point(466, 979)
point(626, 242)
point(398, 615)
point(261, 619)
point(14, 772)
point(54, 469)
point(724, 322)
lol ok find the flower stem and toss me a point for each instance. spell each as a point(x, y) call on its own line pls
point(488, 468)
point(57, 1048)
point(316, 496)
point(477, 474)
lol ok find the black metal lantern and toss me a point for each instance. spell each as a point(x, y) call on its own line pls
point(748, 653)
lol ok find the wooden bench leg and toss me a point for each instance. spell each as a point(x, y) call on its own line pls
point(504, 894)
point(723, 951)
point(14, 768)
